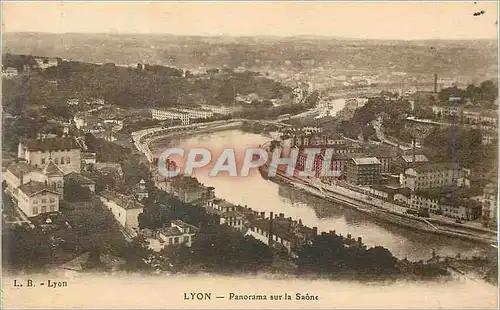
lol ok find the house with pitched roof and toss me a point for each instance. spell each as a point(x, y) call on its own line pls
point(140, 190)
point(21, 173)
point(228, 213)
point(64, 151)
point(35, 198)
point(124, 208)
point(81, 180)
point(176, 233)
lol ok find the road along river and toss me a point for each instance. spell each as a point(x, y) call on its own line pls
point(264, 195)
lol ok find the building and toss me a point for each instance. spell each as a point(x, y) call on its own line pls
point(177, 233)
point(140, 191)
point(35, 198)
point(281, 232)
point(10, 72)
point(481, 117)
point(228, 213)
point(187, 189)
point(73, 102)
point(383, 192)
point(21, 173)
point(158, 114)
point(44, 63)
point(403, 196)
point(64, 151)
point(363, 171)
point(88, 159)
point(432, 175)
point(406, 161)
point(125, 209)
point(490, 203)
point(445, 201)
point(223, 110)
point(34, 192)
point(83, 181)
point(446, 110)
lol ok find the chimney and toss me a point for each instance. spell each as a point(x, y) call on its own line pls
point(435, 83)
point(315, 231)
point(360, 240)
point(349, 236)
point(300, 222)
point(413, 152)
point(282, 215)
point(263, 214)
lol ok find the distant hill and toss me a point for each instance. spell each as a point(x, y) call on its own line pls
point(475, 59)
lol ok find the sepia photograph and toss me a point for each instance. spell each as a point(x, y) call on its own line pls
point(248, 154)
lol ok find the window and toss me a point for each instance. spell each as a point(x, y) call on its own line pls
point(43, 161)
point(52, 200)
point(56, 161)
point(169, 240)
point(62, 160)
point(176, 240)
point(44, 200)
point(35, 202)
point(35, 210)
point(186, 239)
point(44, 209)
point(52, 208)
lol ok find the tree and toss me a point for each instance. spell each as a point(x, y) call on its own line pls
point(221, 249)
point(75, 192)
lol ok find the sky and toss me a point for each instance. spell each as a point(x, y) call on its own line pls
point(363, 20)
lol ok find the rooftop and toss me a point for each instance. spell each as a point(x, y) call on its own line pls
point(185, 182)
point(52, 169)
point(366, 161)
point(51, 144)
point(223, 203)
point(78, 178)
point(32, 188)
point(429, 167)
point(418, 158)
point(87, 155)
point(20, 168)
point(126, 202)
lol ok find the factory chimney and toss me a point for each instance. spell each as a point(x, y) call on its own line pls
point(435, 83)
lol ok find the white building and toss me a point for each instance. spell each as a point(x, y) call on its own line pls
point(73, 102)
point(178, 233)
point(490, 203)
point(21, 173)
point(44, 63)
point(431, 175)
point(158, 114)
point(227, 212)
point(125, 209)
point(10, 72)
point(64, 151)
point(36, 191)
point(35, 198)
point(223, 110)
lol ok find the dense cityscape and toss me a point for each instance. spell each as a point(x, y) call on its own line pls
point(414, 147)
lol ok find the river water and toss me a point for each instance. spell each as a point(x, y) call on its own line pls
point(265, 195)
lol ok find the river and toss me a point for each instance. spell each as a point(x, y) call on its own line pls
point(265, 195)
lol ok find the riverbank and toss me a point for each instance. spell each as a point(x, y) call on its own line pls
point(369, 207)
